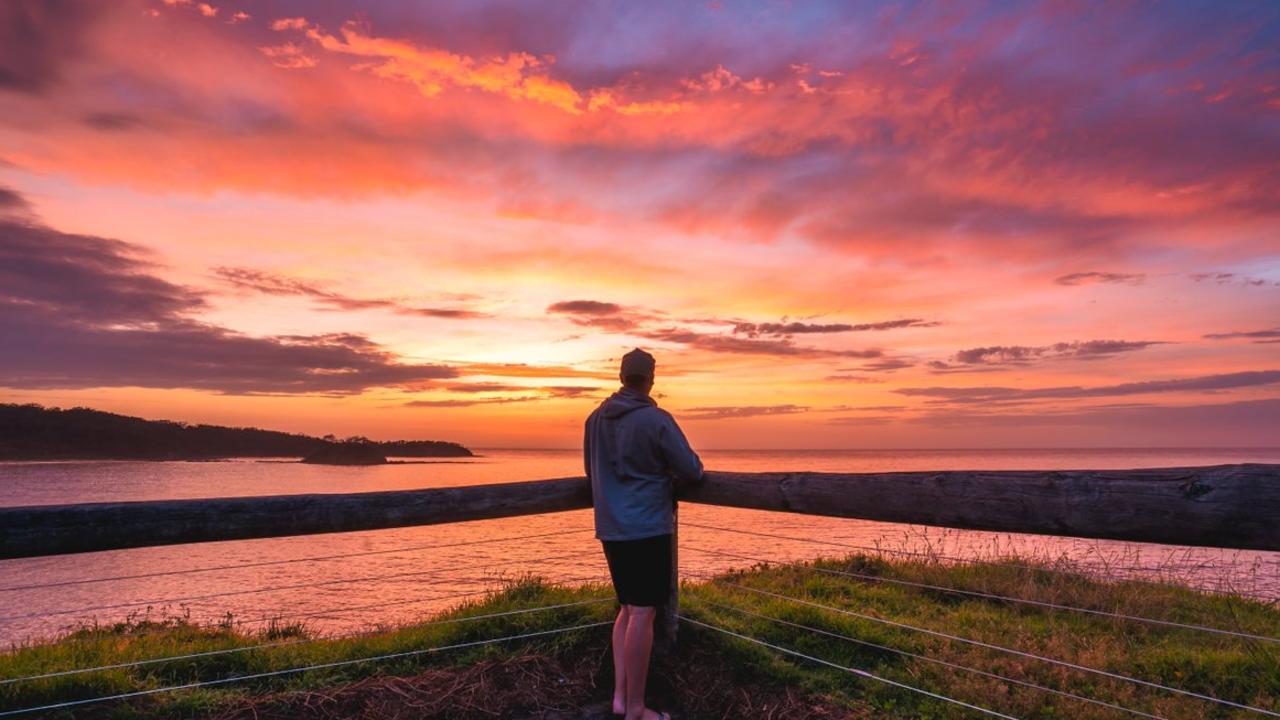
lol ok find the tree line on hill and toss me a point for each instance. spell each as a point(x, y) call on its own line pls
point(34, 432)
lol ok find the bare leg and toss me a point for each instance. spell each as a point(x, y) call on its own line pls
point(619, 661)
point(639, 644)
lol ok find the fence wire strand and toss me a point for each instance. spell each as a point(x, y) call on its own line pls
point(973, 561)
point(999, 648)
point(305, 668)
point(302, 641)
point(299, 586)
point(855, 671)
point(395, 603)
point(993, 596)
point(926, 658)
point(268, 563)
point(714, 579)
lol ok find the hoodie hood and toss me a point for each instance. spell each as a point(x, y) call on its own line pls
point(624, 401)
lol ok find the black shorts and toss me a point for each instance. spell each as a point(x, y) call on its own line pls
point(641, 569)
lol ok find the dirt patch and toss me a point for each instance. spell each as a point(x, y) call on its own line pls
point(693, 684)
point(521, 686)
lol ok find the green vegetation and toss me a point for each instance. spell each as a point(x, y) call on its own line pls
point(711, 674)
point(32, 432)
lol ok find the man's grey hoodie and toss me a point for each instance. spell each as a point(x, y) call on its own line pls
point(633, 452)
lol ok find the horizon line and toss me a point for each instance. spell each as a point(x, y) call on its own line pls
point(952, 449)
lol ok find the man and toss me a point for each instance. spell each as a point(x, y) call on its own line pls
point(633, 453)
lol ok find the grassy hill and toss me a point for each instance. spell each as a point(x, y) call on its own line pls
point(712, 674)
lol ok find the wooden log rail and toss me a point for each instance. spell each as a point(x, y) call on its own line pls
point(1229, 506)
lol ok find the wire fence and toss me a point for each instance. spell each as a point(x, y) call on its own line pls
point(290, 561)
point(702, 610)
point(1107, 568)
point(994, 596)
point(201, 664)
point(301, 669)
point(1066, 664)
point(926, 658)
point(84, 611)
point(301, 641)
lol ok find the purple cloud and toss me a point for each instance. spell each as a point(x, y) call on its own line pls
point(584, 307)
point(38, 37)
point(990, 394)
point(1084, 278)
point(1246, 420)
point(747, 346)
point(801, 328)
point(273, 284)
point(1229, 278)
point(79, 311)
point(602, 315)
point(12, 202)
point(110, 122)
point(888, 364)
point(1016, 355)
point(1268, 335)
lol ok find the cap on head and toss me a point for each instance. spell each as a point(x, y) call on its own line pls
point(638, 362)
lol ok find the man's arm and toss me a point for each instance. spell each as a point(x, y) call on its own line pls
point(586, 448)
point(681, 459)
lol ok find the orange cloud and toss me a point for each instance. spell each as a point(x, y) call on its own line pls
point(293, 23)
point(289, 56)
point(608, 99)
point(517, 75)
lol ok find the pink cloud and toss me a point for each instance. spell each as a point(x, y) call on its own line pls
point(289, 56)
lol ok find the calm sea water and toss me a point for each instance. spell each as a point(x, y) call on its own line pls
point(353, 581)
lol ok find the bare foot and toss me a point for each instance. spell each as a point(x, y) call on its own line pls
point(654, 715)
point(619, 706)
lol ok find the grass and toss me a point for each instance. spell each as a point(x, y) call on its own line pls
point(710, 674)
point(1246, 671)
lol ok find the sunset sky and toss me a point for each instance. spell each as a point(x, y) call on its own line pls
point(835, 224)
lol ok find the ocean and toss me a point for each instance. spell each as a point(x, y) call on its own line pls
point(349, 582)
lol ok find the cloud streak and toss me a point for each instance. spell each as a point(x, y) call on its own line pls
point(273, 284)
point(607, 316)
point(730, 344)
point(1241, 419)
point(1230, 278)
point(1111, 278)
point(725, 412)
point(985, 358)
point(516, 75)
point(986, 394)
point(760, 338)
point(461, 403)
point(1267, 335)
point(550, 391)
point(785, 329)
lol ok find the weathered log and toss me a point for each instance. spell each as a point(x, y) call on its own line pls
point(1232, 506)
point(1228, 506)
point(61, 529)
